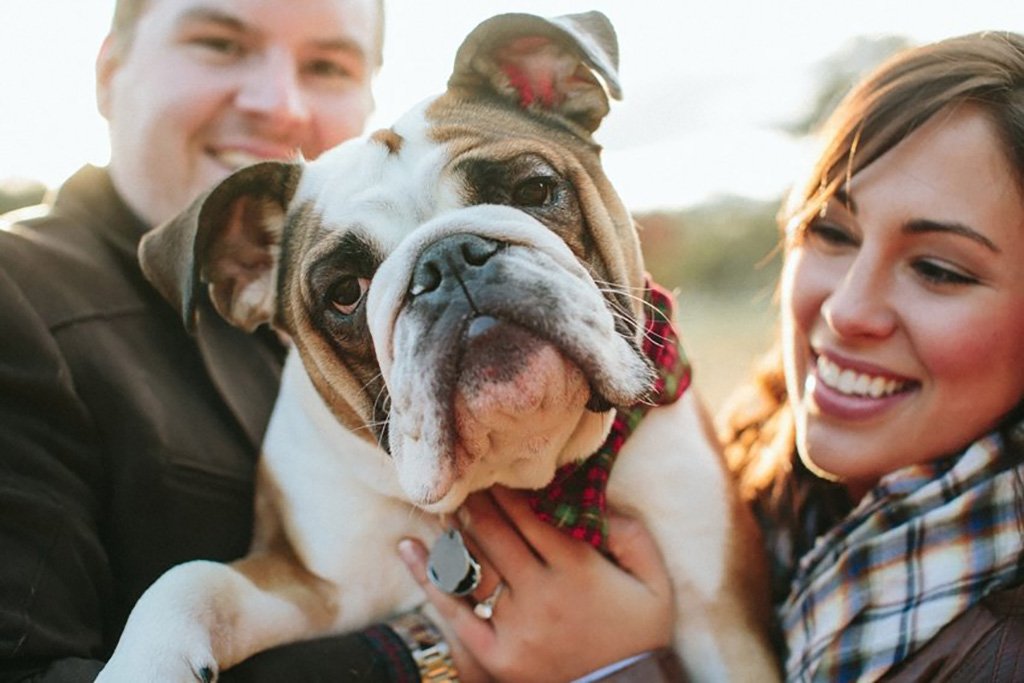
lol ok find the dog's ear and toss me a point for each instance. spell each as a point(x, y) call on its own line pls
point(228, 239)
point(544, 64)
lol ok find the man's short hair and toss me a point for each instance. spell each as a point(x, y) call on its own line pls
point(127, 13)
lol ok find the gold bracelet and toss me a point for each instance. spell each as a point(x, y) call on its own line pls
point(427, 646)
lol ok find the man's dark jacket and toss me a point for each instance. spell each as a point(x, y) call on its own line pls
point(126, 444)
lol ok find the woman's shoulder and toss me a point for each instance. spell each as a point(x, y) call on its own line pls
point(985, 643)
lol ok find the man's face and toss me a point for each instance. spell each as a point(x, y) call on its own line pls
point(206, 86)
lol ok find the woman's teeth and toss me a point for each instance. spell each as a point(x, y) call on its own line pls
point(856, 383)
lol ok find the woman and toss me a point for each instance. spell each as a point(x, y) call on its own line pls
point(881, 447)
point(902, 306)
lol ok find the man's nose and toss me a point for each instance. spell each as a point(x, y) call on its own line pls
point(273, 89)
point(860, 304)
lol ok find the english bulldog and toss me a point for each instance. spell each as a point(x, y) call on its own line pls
point(467, 306)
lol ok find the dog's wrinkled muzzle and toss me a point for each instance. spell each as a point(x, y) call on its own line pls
point(483, 319)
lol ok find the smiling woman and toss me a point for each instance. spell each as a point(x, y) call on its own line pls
point(882, 447)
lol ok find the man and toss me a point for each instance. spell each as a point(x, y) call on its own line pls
point(127, 445)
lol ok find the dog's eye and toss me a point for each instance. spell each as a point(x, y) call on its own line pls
point(346, 294)
point(533, 192)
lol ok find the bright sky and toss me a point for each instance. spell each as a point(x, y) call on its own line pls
point(704, 82)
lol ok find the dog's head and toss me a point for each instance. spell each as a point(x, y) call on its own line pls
point(463, 287)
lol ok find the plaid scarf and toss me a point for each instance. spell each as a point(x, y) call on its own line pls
point(575, 500)
point(925, 544)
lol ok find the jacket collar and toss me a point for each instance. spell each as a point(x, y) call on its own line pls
point(244, 368)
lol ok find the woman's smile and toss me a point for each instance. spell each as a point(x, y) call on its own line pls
point(840, 376)
point(845, 390)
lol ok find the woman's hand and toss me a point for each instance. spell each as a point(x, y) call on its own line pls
point(565, 609)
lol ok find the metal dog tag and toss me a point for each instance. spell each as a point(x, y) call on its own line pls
point(450, 566)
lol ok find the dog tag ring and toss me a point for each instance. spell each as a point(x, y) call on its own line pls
point(450, 566)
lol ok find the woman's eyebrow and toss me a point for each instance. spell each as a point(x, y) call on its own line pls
point(924, 225)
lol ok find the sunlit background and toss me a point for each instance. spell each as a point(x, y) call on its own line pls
point(719, 95)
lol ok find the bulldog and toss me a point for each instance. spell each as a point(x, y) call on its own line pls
point(467, 305)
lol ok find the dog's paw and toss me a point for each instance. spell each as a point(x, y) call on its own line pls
point(164, 669)
point(156, 661)
point(206, 674)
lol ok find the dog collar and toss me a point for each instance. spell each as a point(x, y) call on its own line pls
point(575, 501)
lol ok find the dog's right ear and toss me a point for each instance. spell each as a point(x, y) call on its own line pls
point(229, 240)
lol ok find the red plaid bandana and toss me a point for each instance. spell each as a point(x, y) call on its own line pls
point(575, 500)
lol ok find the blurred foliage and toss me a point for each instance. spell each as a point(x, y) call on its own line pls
point(722, 257)
point(836, 74)
point(724, 245)
point(729, 243)
point(16, 193)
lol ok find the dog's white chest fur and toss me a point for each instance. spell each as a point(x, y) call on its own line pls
point(342, 507)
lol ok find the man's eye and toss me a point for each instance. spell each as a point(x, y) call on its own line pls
point(533, 192)
point(326, 68)
point(220, 45)
point(346, 294)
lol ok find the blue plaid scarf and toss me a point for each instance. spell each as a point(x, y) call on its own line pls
point(923, 546)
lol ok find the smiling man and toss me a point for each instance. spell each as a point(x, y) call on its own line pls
point(195, 89)
point(128, 445)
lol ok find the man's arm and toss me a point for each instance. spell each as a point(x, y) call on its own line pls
point(55, 576)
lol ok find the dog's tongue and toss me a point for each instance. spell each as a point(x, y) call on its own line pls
point(508, 376)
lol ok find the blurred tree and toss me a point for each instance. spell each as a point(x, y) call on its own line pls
point(727, 243)
point(837, 74)
point(723, 245)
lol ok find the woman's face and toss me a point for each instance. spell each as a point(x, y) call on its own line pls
point(903, 305)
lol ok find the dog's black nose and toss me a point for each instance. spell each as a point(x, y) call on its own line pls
point(448, 260)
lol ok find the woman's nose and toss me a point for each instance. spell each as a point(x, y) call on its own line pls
point(859, 304)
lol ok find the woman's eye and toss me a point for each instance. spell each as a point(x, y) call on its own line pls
point(346, 294)
point(830, 234)
point(534, 192)
point(939, 274)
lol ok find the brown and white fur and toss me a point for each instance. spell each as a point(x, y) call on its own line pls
point(463, 294)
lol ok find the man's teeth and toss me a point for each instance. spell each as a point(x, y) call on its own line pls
point(856, 383)
point(237, 159)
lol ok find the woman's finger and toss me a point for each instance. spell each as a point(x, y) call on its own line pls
point(547, 541)
point(497, 539)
